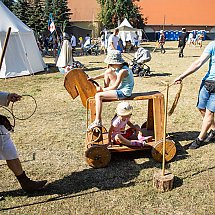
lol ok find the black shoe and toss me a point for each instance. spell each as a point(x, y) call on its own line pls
point(210, 137)
point(29, 185)
point(196, 144)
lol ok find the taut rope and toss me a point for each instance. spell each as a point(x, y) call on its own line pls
point(175, 102)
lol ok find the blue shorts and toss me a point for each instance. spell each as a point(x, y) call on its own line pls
point(206, 100)
point(120, 95)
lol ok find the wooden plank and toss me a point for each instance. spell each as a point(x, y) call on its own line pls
point(92, 109)
point(150, 117)
point(158, 128)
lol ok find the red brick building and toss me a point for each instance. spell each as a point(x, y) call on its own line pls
point(192, 14)
point(196, 14)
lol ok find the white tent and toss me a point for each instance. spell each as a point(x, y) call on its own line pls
point(127, 32)
point(22, 56)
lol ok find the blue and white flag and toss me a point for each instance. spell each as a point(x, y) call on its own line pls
point(51, 25)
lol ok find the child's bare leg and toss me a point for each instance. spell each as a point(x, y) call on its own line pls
point(129, 143)
point(119, 138)
point(99, 97)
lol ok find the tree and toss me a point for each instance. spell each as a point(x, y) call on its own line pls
point(35, 14)
point(23, 10)
point(37, 21)
point(113, 12)
point(59, 10)
point(8, 3)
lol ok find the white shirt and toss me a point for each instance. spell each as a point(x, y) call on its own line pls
point(113, 39)
point(73, 41)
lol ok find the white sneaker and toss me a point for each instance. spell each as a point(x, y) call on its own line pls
point(94, 124)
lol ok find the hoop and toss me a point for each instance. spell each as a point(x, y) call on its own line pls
point(25, 108)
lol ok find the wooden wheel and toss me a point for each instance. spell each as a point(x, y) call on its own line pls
point(157, 150)
point(98, 156)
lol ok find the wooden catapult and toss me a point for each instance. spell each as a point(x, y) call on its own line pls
point(98, 149)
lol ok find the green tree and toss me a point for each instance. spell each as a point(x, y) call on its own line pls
point(36, 20)
point(8, 3)
point(113, 12)
point(36, 14)
point(23, 10)
point(60, 12)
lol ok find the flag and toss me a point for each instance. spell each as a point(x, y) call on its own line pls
point(51, 25)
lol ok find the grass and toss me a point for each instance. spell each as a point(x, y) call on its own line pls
point(56, 135)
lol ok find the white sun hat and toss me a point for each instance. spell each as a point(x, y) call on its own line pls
point(114, 57)
point(124, 109)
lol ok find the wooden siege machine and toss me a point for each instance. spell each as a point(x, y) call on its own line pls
point(98, 150)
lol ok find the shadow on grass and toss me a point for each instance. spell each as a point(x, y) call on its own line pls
point(160, 74)
point(152, 74)
point(186, 136)
point(120, 173)
point(94, 69)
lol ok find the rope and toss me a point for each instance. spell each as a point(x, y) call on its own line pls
point(175, 102)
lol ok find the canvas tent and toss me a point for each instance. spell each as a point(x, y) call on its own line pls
point(127, 32)
point(22, 55)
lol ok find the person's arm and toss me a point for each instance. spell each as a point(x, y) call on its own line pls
point(6, 98)
point(122, 74)
point(193, 67)
point(131, 125)
point(96, 77)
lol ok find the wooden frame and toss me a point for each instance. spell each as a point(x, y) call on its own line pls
point(98, 149)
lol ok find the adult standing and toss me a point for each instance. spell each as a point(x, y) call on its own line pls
point(73, 41)
point(87, 40)
point(136, 40)
point(182, 42)
point(65, 59)
point(9, 153)
point(113, 40)
point(161, 41)
point(206, 95)
point(102, 48)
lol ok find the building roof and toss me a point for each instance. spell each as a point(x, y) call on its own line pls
point(83, 10)
point(182, 12)
point(159, 12)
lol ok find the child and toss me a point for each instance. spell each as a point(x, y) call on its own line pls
point(121, 78)
point(118, 134)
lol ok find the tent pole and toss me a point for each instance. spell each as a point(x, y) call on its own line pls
point(5, 46)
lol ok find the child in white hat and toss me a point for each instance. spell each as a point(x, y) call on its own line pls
point(117, 132)
point(118, 81)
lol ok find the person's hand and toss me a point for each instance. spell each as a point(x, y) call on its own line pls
point(13, 97)
point(137, 128)
point(99, 89)
point(178, 80)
